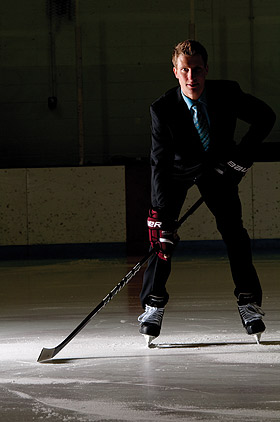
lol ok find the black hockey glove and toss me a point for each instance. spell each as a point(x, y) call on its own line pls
point(162, 235)
point(232, 170)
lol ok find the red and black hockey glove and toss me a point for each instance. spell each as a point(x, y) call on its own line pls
point(162, 235)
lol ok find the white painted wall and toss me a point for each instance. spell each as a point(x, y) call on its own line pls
point(260, 197)
point(88, 205)
point(62, 205)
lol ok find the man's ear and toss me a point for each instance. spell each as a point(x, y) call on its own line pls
point(175, 72)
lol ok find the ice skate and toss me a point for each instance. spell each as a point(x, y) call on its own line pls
point(251, 316)
point(150, 323)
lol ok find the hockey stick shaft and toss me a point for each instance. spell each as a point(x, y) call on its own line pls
point(47, 354)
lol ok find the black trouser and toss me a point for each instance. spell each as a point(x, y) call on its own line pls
point(221, 197)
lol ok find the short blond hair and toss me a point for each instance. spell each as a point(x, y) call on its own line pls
point(189, 48)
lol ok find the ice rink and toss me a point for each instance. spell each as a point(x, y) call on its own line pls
point(203, 367)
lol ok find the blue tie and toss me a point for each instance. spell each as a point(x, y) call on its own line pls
point(201, 124)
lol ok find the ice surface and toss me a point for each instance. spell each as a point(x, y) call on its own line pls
point(204, 367)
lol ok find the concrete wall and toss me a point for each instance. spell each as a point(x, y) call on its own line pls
point(90, 205)
point(62, 206)
point(259, 193)
point(107, 61)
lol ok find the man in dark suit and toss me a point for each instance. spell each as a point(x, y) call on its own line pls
point(193, 129)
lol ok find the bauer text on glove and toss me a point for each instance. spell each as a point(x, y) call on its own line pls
point(162, 234)
point(232, 170)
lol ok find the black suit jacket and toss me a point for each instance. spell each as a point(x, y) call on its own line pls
point(177, 152)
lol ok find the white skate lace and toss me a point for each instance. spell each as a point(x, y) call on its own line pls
point(250, 312)
point(152, 315)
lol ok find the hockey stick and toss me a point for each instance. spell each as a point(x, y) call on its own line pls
point(47, 354)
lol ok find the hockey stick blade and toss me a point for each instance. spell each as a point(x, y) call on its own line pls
point(47, 354)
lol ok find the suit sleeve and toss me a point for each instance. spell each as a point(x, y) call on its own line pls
point(162, 158)
point(260, 118)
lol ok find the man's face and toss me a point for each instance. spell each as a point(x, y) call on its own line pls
point(191, 73)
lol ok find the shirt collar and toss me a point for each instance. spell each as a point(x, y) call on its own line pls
point(190, 103)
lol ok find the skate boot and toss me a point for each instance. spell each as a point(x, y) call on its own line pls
point(251, 315)
point(150, 323)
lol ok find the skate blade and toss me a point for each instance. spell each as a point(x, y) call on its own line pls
point(149, 340)
point(258, 337)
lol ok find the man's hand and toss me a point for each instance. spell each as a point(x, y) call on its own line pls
point(162, 234)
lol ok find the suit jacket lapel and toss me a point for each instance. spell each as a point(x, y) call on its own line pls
point(213, 104)
point(183, 115)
